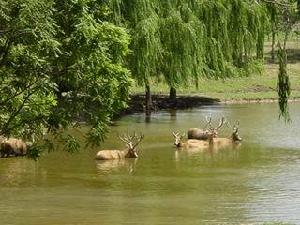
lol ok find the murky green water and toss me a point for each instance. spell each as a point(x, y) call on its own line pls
point(258, 182)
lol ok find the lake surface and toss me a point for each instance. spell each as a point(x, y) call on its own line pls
point(255, 183)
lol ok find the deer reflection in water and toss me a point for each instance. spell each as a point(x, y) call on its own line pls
point(108, 166)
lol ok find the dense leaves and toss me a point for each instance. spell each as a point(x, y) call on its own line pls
point(63, 61)
point(283, 16)
point(185, 40)
point(60, 62)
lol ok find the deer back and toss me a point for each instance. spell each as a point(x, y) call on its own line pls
point(221, 141)
point(199, 134)
point(111, 154)
point(131, 142)
point(194, 143)
point(13, 146)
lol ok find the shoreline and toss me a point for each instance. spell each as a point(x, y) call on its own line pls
point(162, 102)
point(256, 101)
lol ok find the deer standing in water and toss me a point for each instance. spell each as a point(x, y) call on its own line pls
point(214, 143)
point(234, 139)
point(205, 134)
point(13, 147)
point(131, 143)
point(190, 143)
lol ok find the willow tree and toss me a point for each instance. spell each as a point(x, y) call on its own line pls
point(143, 22)
point(287, 14)
point(184, 40)
point(182, 55)
point(274, 19)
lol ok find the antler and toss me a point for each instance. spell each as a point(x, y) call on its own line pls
point(133, 140)
point(138, 139)
point(177, 134)
point(236, 126)
point(209, 123)
point(124, 138)
point(208, 120)
point(221, 123)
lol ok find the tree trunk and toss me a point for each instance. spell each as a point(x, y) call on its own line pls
point(148, 99)
point(273, 45)
point(172, 95)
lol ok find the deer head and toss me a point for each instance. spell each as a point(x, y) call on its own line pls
point(214, 130)
point(235, 135)
point(131, 142)
point(178, 137)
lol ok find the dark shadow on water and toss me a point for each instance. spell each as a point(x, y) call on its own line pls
point(161, 102)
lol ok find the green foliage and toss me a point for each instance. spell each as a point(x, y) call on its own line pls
point(26, 93)
point(283, 85)
point(186, 40)
point(283, 15)
point(60, 61)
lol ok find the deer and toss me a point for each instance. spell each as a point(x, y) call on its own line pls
point(13, 147)
point(212, 142)
point(190, 143)
point(222, 142)
point(131, 142)
point(205, 134)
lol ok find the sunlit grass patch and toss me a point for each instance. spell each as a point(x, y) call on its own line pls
point(254, 86)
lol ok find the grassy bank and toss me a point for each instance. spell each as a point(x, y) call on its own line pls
point(253, 87)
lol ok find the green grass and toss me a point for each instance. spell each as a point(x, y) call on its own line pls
point(253, 87)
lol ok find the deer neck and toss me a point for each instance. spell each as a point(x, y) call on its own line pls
point(131, 154)
point(236, 138)
point(210, 140)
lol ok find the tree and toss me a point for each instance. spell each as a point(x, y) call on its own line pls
point(286, 14)
point(89, 69)
point(60, 62)
point(274, 18)
point(26, 42)
point(142, 20)
point(185, 40)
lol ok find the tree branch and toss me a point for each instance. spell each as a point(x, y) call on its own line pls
point(20, 92)
point(14, 114)
point(5, 52)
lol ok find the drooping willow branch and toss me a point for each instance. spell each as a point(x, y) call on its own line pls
point(284, 11)
point(283, 84)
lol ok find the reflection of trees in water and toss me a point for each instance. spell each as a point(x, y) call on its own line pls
point(17, 172)
point(173, 114)
point(108, 166)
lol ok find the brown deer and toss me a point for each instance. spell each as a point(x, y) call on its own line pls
point(13, 147)
point(234, 140)
point(131, 143)
point(190, 143)
point(205, 134)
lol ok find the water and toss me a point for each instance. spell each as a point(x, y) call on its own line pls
point(256, 183)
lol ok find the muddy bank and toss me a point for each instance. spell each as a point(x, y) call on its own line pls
point(162, 102)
